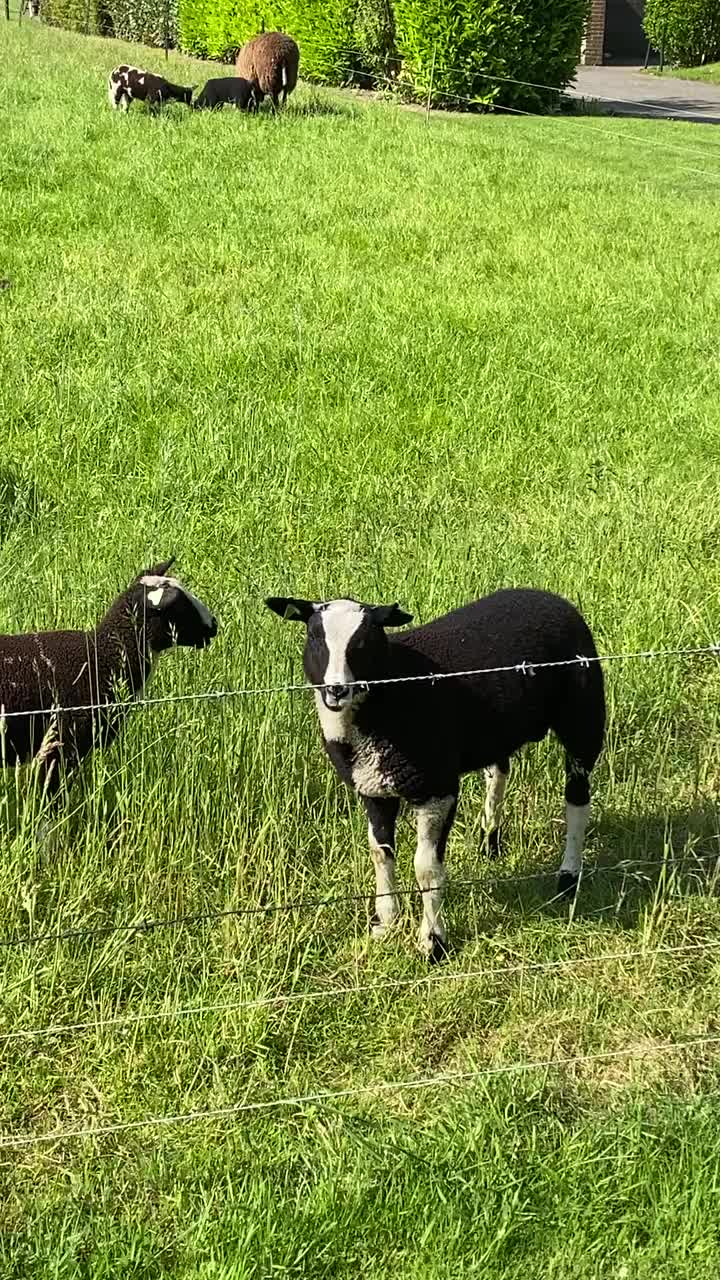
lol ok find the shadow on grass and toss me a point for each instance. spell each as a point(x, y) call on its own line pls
point(687, 110)
point(319, 105)
point(640, 860)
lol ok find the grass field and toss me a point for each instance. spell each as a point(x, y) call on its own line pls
point(709, 73)
point(349, 352)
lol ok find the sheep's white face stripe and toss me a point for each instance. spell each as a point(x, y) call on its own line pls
point(340, 619)
point(159, 585)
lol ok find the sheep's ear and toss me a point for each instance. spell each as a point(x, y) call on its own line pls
point(390, 615)
point(159, 570)
point(290, 609)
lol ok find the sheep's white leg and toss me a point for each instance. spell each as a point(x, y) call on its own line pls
point(382, 816)
point(434, 821)
point(576, 818)
point(495, 783)
point(577, 814)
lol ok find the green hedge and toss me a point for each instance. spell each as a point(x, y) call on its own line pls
point(460, 46)
point(218, 28)
point(144, 20)
point(687, 30)
point(90, 16)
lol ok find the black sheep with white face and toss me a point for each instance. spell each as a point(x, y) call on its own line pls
point(345, 644)
point(58, 688)
point(412, 741)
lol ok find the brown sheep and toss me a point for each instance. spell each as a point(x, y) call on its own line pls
point(270, 62)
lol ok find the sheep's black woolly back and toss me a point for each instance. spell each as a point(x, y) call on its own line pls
point(437, 731)
point(510, 626)
point(46, 669)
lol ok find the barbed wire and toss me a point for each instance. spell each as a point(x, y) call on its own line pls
point(328, 1096)
point(317, 904)
point(608, 135)
point(482, 74)
point(495, 77)
point(431, 980)
point(526, 667)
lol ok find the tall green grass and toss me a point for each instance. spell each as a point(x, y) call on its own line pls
point(343, 351)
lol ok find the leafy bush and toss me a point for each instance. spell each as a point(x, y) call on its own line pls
point(478, 48)
point(144, 20)
point(373, 39)
point(90, 16)
point(324, 31)
point(688, 30)
point(141, 20)
point(337, 38)
point(218, 28)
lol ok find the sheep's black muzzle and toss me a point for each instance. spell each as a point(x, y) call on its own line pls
point(336, 697)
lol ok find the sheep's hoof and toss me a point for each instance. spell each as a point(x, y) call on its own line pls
point(378, 928)
point(567, 885)
point(437, 949)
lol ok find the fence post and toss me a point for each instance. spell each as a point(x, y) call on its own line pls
point(87, 17)
point(7, 10)
point(166, 32)
point(432, 82)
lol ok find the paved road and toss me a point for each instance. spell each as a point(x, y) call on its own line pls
point(630, 91)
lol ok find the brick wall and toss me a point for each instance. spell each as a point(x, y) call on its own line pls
point(591, 53)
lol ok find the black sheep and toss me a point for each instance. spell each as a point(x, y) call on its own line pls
point(45, 675)
point(227, 89)
point(413, 741)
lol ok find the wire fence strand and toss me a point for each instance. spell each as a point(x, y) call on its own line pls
point(527, 667)
point(608, 135)
point(481, 73)
point(77, 932)
point(428, 981)
point(377, 1087)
